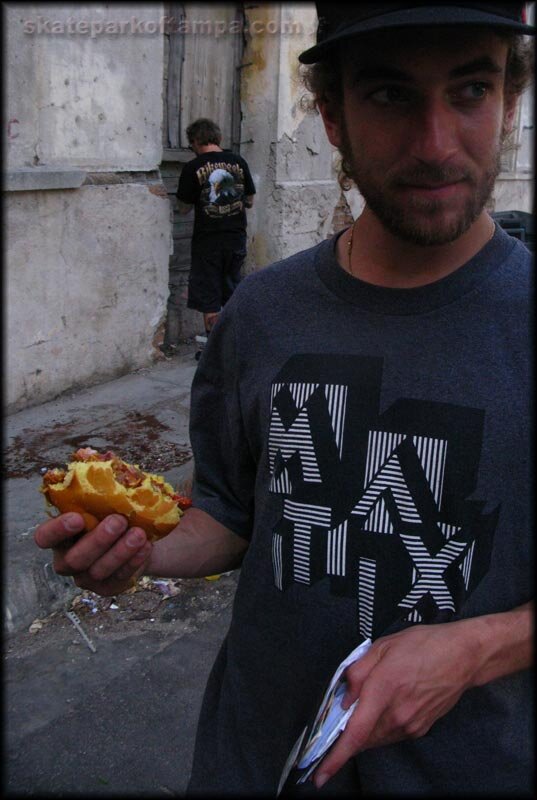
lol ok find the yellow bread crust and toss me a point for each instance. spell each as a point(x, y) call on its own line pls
point(90, 488)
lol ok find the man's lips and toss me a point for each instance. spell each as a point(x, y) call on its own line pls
point(439, 190)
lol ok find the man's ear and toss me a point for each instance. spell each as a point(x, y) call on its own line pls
point(511, 104)
point(332, 120)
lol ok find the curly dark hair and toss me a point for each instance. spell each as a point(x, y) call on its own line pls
point(323, 81)
point(204, 131)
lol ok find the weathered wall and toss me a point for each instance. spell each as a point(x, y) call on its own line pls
point(287, 150)
point(87, 268)
point(512, 194)
point(86, 286)
point(93, 102)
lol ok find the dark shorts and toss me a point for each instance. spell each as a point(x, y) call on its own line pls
point(215, 272)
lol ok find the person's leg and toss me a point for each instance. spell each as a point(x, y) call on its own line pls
point(230, 260)
point(204, 282)
point(232, 274)
point(204, 293)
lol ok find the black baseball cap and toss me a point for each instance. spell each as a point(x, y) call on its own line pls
point(339, 21)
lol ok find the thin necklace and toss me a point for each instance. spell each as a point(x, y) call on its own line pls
point(349, 249)
point(349, 245)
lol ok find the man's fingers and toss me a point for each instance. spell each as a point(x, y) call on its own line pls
point(353, 739)
point(58, 530)
point(355, 676)
point(131, 567)
point(102, 560)
point(118, 556)
point(90, 547)
point(118, 581)
point(337, 757)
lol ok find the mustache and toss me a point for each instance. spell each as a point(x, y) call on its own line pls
point(431, 174)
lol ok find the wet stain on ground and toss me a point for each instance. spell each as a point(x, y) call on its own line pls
point(138, 438)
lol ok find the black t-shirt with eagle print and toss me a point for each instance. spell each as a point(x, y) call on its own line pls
point(216, 183)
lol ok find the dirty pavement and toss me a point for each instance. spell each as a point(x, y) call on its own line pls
point(102, 695)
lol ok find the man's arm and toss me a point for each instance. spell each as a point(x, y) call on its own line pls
point(184, 208)
point(249, 201)
point(106, 559)
point(199, 546)
point(408, 680)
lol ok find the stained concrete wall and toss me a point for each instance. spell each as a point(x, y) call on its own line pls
point(287, 150)
point(86, 286)
point(86, 268)
point(89, 101)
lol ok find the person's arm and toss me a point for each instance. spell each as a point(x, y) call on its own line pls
point(199, 546)
point(187, 190)
point(106, 560)
point(184, 208)
point(249, 185)
point(408, 680)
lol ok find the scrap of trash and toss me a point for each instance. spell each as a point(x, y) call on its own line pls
point(143, 601)
point(164, 587)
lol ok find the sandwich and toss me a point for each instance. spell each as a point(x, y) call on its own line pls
point(97, 484)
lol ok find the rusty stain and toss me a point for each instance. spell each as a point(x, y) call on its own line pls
point(257, 18)
point(259, 250)
point(158, 189)
point(258, 61)
point(11, 122)
point(138, 438)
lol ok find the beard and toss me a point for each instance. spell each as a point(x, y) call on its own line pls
point(414, 219)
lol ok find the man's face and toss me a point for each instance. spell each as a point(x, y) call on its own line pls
point(422, 125)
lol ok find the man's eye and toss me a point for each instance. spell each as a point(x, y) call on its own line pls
point(389, 95)
point(474, 91)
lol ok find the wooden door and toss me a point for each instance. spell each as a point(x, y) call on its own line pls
point(203, 49)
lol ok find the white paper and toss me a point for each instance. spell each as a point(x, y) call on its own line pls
point(291, 760)
point(330, 721)
point(331, 718)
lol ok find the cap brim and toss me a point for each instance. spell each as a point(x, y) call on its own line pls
point(414, 17)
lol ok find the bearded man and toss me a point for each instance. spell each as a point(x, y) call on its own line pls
point(360, 424)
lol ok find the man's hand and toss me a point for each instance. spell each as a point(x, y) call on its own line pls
point(105, 560)
point(408, 680)
point(405, 682)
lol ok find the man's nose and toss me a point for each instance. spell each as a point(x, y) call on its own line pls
point(435, 133)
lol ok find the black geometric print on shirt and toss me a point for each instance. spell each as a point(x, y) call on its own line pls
point(379, 502)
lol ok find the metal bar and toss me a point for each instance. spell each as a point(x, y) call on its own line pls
point(78, 625)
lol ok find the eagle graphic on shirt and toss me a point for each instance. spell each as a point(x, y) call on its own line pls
point(380, 503)
point(222, 189)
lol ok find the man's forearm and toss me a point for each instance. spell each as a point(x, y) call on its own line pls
point(198, 546)
point(504, 642)
point(184, 208)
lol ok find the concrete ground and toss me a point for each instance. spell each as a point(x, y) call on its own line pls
point(117, 717)
point(119, 721)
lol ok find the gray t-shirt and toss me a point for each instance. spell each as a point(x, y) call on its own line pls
point(373, 445)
